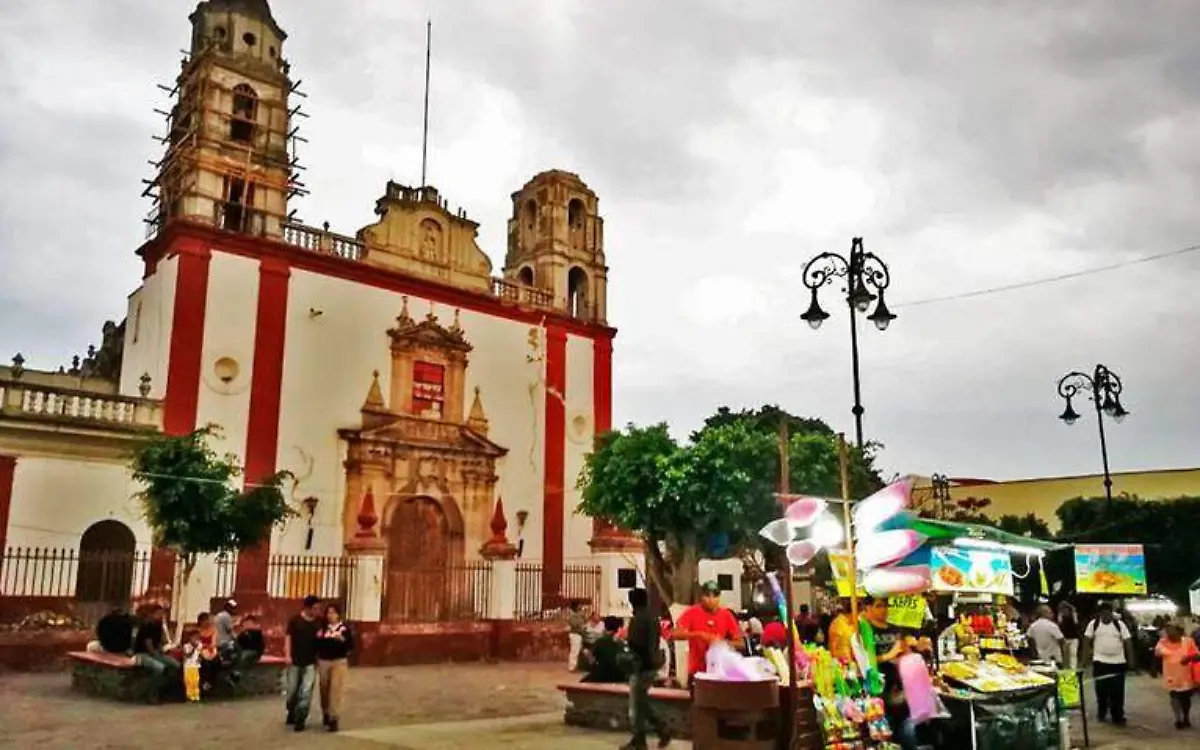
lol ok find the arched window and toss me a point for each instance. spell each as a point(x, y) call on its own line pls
point(106, 555)
point(531, 214)
point(575, 214)
point(525, 276)
point(245, 113)
point(577, 293)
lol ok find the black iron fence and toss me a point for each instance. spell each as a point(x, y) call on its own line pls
point(83, 584)
point(578, 583)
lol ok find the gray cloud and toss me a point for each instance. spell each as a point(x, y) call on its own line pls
point(973, 144)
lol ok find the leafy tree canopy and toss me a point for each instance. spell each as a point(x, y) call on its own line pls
point(722, 481)
point(190, 500)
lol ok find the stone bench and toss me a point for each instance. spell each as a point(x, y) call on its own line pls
point(119, 678)
point(605, 706)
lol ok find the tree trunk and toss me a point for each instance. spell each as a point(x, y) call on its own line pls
point(189, 565)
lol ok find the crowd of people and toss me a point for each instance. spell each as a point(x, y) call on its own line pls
point(219, 649)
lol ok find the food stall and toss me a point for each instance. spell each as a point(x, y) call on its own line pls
point(995, 700)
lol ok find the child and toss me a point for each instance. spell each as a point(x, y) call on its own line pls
point(193, 647)
point(1178, 653)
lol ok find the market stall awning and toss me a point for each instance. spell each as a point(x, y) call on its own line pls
point(950, 530)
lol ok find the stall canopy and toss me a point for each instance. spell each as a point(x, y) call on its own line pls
point(950, 530)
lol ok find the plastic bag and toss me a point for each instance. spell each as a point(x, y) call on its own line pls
point(919, 693)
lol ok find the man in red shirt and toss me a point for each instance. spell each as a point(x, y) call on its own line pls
point(703, 624)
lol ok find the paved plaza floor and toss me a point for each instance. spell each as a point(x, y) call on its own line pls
point(486, 706)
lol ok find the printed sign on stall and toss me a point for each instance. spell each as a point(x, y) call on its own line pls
point(906, 611)
point(1110, 569)
point(970, 570)
point(1068, 689)
point(839, 562)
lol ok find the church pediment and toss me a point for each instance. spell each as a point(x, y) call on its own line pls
point(416, 433)
point(428, 333)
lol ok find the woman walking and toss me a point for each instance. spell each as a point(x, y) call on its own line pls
point(1068, 623)
point(1177, 652)
point(334, 644)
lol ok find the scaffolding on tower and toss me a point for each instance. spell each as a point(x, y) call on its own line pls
point(230, 155)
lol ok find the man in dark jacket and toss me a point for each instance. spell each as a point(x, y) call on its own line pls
point(647, 660)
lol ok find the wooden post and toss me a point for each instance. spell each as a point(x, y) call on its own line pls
point(788, 725)
point(844, 466)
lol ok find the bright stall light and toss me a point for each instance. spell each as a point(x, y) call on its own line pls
point(827, 532)
point(1012, 549)
point(1152, 606)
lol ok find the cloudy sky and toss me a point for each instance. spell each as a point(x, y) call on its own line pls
point(973, 144)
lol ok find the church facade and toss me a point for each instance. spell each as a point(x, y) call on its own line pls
point(417, 393)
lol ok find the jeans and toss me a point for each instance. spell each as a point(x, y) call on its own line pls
point(163, 668)
point(300, 682)
point(642, 714)
point(1110, 690)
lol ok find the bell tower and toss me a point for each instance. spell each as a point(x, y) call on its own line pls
point(227, 160)
point(556, 243)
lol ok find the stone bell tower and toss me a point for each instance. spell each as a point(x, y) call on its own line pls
point(227, 160)
point(556, 243)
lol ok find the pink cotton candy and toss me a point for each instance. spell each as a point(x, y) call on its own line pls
point(918, 688)
point(884, 504)
point(886, 548)
point(800, 553)
point(898, 581)
point(803, 512)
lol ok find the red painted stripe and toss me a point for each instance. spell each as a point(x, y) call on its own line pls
point(358, 272)
point(8, 470)
point(602, 350)
point(187, 337)
point(553, 511)
point(262, 424)
point(182, 395)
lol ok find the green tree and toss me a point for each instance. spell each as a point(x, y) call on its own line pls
point(722, 482)
point(191, 504)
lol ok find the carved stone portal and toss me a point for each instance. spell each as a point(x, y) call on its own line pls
point(426, 464)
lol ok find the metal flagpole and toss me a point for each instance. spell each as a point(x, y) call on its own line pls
point(425, 128)
point(789, 704)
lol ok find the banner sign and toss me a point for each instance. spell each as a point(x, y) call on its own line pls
point(986, 572)
point(1068, 689)
point(906, 611)
point(839, 563)
point(1110, 569)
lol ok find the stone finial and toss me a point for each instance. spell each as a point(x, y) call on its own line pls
point(478, 420)
point(18, 366)
point(431, 316)
point(144, 384)
point(404, 320)
point(367, 517)
point(374, 401)
point(456, 327)
point(498, 547)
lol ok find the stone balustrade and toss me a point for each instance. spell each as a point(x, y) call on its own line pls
point(41, 402)
point(321, 240)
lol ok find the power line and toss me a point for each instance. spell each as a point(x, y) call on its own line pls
point(1051, 279)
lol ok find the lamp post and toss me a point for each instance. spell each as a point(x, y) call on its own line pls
point(940, 493)
point(867, 278)
point(1104, 388)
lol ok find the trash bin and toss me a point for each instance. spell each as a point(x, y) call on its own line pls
point(735, 715)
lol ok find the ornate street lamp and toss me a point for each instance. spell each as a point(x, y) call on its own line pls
point(1104, 389)
point(867, 278)
point(940, 493)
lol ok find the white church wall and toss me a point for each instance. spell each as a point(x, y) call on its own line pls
point(580, 435)
point(227, 356)
point(150, 313)
point(55, 500)
point(328, 363)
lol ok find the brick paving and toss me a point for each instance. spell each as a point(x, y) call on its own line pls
point(500, 706)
